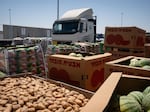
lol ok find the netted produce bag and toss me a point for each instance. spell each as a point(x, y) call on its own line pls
point(26, 59)
point(3, 65)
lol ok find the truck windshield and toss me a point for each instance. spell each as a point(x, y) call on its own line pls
point(65, 27)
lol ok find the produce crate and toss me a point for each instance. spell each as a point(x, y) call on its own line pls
point(31, 92)
point(125, 37)
point(84, 72)
point(147, 50)
point(116, 84)
point(122, 65)
point(122, 52)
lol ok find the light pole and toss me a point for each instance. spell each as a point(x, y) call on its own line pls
point(9, 16)
point(10, 28)
point(121, 18)
point(57, 9)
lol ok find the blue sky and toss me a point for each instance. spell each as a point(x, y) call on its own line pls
point(42, 13)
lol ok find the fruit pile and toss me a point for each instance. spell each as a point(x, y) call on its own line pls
point(143, 63)
point(79, 47)
point(26, 59)
point(135, 101)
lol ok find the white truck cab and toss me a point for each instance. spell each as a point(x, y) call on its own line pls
point(76, 25)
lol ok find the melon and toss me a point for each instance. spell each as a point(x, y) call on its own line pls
point(134, 62)
point(79, 55)
point(146, 102)
point(146, 90)
point(129, 104)
point(146, 67)
point(72, 54)
point(144, 62)
point(137, 95)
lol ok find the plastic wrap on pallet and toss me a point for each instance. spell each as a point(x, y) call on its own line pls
point(24, 59)
point(3, 67)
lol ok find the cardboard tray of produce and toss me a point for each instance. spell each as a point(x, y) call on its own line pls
point(116, 84)
point(18, 91)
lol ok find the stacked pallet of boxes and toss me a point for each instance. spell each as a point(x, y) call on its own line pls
point(85, 72)
point(23, 59)
point(124, 41)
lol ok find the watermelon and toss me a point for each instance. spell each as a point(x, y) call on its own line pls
point(72, 54)
point(129, 104)
point(146, 67)
point(137, 95)
point(79, 55)
point(144, 62)
point(146, 102)
point(146, 90)
point(134, 62)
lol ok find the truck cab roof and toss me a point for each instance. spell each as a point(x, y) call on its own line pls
point(78, 14)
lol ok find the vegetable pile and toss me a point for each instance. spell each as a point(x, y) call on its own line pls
point(29, 94)
point(135, 101)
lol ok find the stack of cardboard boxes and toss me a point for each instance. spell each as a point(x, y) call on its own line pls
point(124, 41)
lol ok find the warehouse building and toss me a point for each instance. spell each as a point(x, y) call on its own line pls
point(12, 31)
point(1, 34)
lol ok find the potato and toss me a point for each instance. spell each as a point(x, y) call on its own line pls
point(3, 102)
point(40, 106)
point(68, 109)
point(27, 94)
point(65, 104)
point(81, 97)
point(31, 109)
point(21, 102)
point(29, 105)
point(57, 94)
point(1, 108)
point(60, 110)
point(53, 107)
point(8, 108)
point(78, 101)
point(16, 106)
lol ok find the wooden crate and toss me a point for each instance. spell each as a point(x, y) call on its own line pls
point(147, 50)
point(122, 52)
point(121, 65)
point(116, 83)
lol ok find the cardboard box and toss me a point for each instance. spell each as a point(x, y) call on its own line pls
point(147, 50)
point(121, 65)
point(120, 54)
point(125, 37)
point(116, 83)
point(85, 72)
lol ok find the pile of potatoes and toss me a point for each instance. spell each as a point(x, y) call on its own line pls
point(29, 94)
